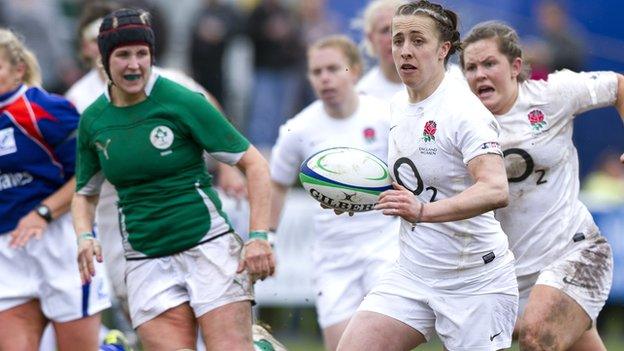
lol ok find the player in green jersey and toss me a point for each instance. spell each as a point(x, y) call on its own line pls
point(146, 134)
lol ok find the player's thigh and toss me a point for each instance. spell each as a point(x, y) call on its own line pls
point(78, 335)
point(173, 329)
point(552, 318)
point(228, 327)
point(332, 334)
point(21, 327)
point(590, 340)
point(374, 331)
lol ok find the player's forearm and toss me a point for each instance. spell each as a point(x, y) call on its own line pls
point(278, 197)
point(83, 212)
point(60, 201)
point(256, 171)
point(619, 103)
point(477, 199)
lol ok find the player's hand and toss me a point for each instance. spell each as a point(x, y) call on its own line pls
point(31, 225)
point(232, 182)
point(400, 202)
point(87, 249)
point(337, 212)
point(257, 257)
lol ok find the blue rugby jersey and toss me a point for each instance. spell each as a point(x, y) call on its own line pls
point(37, 150)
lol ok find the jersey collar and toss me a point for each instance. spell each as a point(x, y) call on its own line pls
point(10, 97)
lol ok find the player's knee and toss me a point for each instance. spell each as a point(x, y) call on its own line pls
point(538, 338)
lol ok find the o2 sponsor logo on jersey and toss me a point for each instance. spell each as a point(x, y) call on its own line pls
point(161, 137)
point(7, 142)
point(536, 119)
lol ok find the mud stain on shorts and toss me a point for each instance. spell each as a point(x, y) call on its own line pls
point(593, 268)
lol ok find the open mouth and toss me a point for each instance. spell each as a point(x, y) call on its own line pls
point(485, 91)
point(408, 67)
point(132, 77)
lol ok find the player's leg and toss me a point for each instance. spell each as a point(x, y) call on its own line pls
point(332, 334)
point(22, 327)
point(173, 329)
point(375, 331)
point(77, 335)
point(589, 341)
point(552, 320)
point(227, 327)
point(568, 295)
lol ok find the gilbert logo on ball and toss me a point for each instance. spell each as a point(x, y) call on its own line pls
point(344, 178)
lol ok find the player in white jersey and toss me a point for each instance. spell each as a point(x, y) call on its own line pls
point(455, 273)
point(350, 253)
point(383, 80)
point(82, 94)
point(564, 266)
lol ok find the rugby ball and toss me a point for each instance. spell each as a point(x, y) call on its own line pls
point(345, 178)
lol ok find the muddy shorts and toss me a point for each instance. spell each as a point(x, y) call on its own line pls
point(584, 271)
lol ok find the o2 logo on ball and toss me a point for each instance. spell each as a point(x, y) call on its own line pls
point(161, 137)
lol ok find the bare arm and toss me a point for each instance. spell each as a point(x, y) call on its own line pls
point(83, 214)
point(257, 255)
point(619, 103)
point(231, 181)
point(490, 191)
point(32, 225)
point(278, 197)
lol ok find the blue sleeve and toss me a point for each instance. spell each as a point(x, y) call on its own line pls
point(57, 120)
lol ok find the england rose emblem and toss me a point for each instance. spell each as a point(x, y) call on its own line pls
point(369, 134)
point(536, 118)
point(429, 131)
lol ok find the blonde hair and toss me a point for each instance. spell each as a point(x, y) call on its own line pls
point(16, 52)
point(345, 45)
point(368, 19)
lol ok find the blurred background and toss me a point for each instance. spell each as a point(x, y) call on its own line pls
point(250, 54)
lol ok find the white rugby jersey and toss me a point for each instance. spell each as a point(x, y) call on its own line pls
point(430, 144)
point(544, 211)
point(313, 130)
point(376, 84)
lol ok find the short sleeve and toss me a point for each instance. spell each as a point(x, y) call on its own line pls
point(477, 134)
point(57, 121)
point(213, 131)
point(89, 177)
point(585, 90)
point(286, 156)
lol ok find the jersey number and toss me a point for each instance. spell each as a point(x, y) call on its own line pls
point(530, 165)
point(419, 182)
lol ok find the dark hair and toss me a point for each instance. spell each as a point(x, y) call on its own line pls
point(124, 27)
point(92, 12)
point(446, 21)
point(506, 38)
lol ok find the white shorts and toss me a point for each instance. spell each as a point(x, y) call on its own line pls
point(342, 279)
point(204, 275)
point(584, 271)
point(463, 321)
point(47, 270)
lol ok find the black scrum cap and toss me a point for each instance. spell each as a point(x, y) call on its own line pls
point(124, 27)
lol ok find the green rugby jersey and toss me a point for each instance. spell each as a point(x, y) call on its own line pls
point(152, 153)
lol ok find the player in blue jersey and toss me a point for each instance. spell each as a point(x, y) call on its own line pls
point(39, 280)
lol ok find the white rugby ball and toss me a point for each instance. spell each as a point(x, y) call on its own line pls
point(345, 178)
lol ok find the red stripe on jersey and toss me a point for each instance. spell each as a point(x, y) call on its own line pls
point(25, 116)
